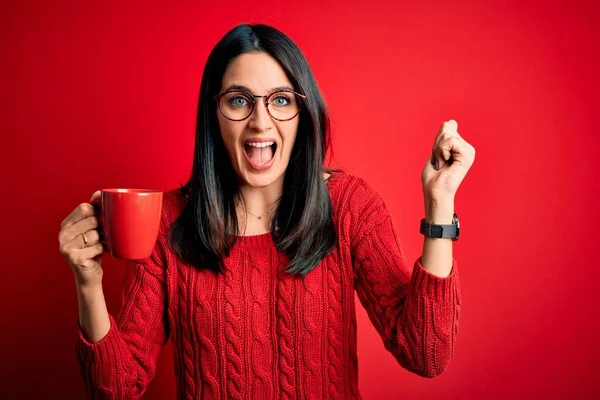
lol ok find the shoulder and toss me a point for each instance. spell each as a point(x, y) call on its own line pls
point(357, 206)
point(173, 204)
point(351, 191)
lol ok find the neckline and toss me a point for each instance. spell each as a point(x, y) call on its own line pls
point(265, 239)
point(260, 240)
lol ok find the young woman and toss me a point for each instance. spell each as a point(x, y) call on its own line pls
point(259, 254)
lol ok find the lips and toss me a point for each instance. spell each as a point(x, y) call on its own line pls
point(260, 153)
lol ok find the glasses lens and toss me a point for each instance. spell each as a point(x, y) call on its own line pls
point(284, 105)
point(236, 105)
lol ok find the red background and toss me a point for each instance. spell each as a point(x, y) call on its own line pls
point(100, 95)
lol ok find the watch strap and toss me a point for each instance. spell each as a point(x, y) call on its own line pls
point(439, 230)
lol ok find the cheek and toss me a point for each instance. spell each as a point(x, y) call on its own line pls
point(229, 135)
point(289, 137)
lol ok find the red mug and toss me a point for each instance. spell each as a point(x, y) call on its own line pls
point(130, 220)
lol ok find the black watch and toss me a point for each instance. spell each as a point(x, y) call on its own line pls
point(439, 230)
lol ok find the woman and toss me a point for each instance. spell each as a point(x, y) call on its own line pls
point(258, 256)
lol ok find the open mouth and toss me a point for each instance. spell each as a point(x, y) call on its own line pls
point(260, 155)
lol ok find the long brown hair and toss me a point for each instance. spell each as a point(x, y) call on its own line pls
point(304, 212)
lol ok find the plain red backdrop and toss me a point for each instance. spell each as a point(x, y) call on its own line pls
point(99, 94)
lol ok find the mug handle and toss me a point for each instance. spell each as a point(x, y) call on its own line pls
point(97, 204)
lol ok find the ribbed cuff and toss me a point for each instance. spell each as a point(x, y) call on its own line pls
point(424, 283)
point(98, 362)
point(107, 339)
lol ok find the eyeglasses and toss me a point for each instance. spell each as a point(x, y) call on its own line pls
point(237, 105)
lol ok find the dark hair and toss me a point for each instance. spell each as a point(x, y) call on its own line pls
point(201, 235)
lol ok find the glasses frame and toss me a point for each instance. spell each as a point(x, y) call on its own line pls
point(265, 100)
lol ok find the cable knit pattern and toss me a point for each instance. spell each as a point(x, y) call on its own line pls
point(204, 314)
point(334, 333)
point(233, 332)
point(311, 334)
point(255, 332)
point(261, 358)
point(285, 328)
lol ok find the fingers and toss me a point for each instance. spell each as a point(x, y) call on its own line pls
point(78, 243)
point(445, 148)
point(71, 232)
point(443, 144)
point(448, 127)
point(82, 211)
point(92, 236)
point(82, 256)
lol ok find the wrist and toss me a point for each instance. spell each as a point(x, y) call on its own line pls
point(439, 213)
point(88, 288)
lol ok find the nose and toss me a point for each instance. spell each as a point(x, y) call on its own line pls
point(260, 119)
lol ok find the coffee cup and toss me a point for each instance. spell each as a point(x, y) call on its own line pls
point(130, 221)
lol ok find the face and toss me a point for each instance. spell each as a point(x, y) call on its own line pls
point(259, 146)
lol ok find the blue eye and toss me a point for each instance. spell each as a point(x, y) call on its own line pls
point(281, 100)
point(238, 101)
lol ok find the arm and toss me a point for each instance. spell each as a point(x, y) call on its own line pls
point(117, 357)
point(437, 252)
point(93, 315)
point(415, 312)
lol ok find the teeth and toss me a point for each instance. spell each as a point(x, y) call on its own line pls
point(259, 144)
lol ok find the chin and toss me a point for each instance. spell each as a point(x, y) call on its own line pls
point(264, 180)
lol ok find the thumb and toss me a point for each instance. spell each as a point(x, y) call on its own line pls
point(96, 197)
point(453, 124)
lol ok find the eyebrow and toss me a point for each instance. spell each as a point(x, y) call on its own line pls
point(246, 89)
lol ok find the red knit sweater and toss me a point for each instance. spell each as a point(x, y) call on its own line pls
point(256, 332)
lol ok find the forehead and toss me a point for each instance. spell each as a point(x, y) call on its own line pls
point(258, 71)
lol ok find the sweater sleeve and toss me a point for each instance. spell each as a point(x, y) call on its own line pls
point(415, 312)
point(122, 364)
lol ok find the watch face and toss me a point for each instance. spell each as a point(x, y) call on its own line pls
point(457, 222)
